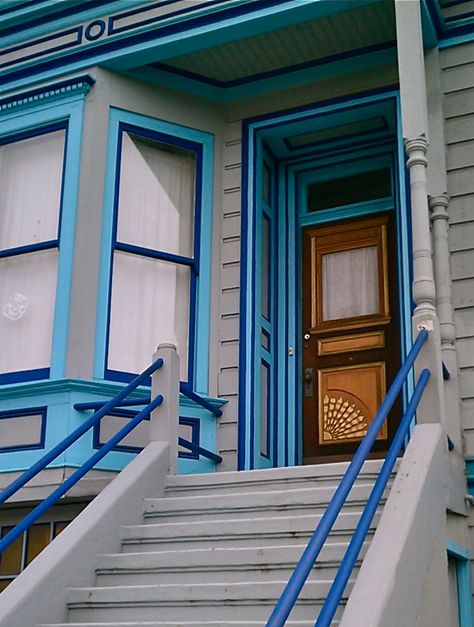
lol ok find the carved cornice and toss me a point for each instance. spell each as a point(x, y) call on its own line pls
point(77, 86)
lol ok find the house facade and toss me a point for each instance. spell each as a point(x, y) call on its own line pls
point(282, 189)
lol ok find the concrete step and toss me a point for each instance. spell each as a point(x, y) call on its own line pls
point(201, 602)
point(251, 532)
point(295, 500)
point(329, 475)
point(201, 565)
point(225, 623)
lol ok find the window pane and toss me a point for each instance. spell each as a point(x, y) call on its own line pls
point(266, 264)
point(350, 283)
point(27, 299)
point(150, 305)
point(30, 184)
point(156, 196)
point(348, 190)
point(38, 537)
point(10, 560)
point(264, 409)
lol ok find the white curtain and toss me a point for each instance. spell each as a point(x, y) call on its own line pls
point(150, 298)
point(156, 197)
point(27, 297)
point(30, 189)
point(150, 305)
point(350, 283)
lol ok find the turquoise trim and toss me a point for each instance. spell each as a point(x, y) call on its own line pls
point(459, 40)
point(295, 175)
point(462, 557)
point(22, 116)
point(60, 395)
point(203, 291)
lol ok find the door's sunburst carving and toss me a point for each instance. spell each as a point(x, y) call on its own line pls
point(342, 420)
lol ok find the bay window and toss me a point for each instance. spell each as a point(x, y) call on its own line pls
point(31, 175)
point(156, 273)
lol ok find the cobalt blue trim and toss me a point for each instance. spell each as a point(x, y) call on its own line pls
point(155, 254)
point(185, 389)
point(35, 131)
point(29, 248)
point(97, 443)
point(277, 72)
point(21, 413)
point(244, 263)
point(24, 375)
point(56, 15)
point(132, 402)
point(195, 425)
point(59, 48)
point(38, 511)
point(89, 35)
point(153, 20)
point(200, 451)
point(77, 433)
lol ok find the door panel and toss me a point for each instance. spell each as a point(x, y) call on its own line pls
point(350, 334)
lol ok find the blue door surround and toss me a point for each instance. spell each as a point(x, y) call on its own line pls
point(268, 145)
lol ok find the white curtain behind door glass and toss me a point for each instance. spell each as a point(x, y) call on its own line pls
point(350, 283)
point(150, 305)
point(30, 189)
point(156, 197)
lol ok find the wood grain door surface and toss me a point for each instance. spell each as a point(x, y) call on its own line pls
point(350, 335)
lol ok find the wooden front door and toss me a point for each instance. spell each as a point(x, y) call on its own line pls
point(350, 334)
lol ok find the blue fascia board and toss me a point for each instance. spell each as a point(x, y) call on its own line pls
point(149, 45)
point(36, 18)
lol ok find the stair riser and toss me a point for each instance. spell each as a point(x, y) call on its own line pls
point(226, 623)
point(218, 558)
point(256, 512)
point(196, 613)
point(225, 542)
point(189, 577)
point(301, 497)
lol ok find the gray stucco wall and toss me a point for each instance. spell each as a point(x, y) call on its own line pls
point(458, 87)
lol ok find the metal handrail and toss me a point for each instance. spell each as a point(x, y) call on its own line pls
point(40, 509)
point(348, 561)
point(202, 452)
point(303, 568)
point(77, 433)
point(187, 391)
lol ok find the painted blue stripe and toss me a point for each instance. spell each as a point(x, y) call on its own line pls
point(155, 254)
point(29, 248)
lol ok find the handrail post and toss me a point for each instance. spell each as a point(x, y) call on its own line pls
point(432, 404)
point(164, 419)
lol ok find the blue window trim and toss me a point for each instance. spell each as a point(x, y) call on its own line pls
point(56, 109)
point(195, 425)
point(21, 413)
point(202, 144)
point(97, 443)
point(462, 557)
point(289, 446)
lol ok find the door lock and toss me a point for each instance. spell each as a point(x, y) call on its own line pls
point(307, 336)
point(308, 382)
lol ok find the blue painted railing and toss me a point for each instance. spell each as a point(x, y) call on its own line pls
point(303, 568)
point(102, 408)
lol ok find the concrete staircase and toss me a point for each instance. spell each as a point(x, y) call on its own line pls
point(217, 549)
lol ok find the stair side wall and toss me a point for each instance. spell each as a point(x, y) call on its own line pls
point(38, 594)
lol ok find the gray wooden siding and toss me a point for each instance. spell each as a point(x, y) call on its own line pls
point(458, 86)
point(230, 286)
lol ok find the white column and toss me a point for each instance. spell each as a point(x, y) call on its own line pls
point(164, 419)
point(411, 69)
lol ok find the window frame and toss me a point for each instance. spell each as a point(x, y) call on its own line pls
point(202, 144)
point(28, 119)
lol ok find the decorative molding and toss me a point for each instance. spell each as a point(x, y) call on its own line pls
point(78, 86)
point(342, 420)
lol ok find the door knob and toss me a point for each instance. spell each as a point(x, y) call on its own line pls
point(307, 336)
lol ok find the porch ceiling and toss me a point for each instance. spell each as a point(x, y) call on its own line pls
point(330, 38)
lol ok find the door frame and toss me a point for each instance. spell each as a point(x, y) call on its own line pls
point(293, 176)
